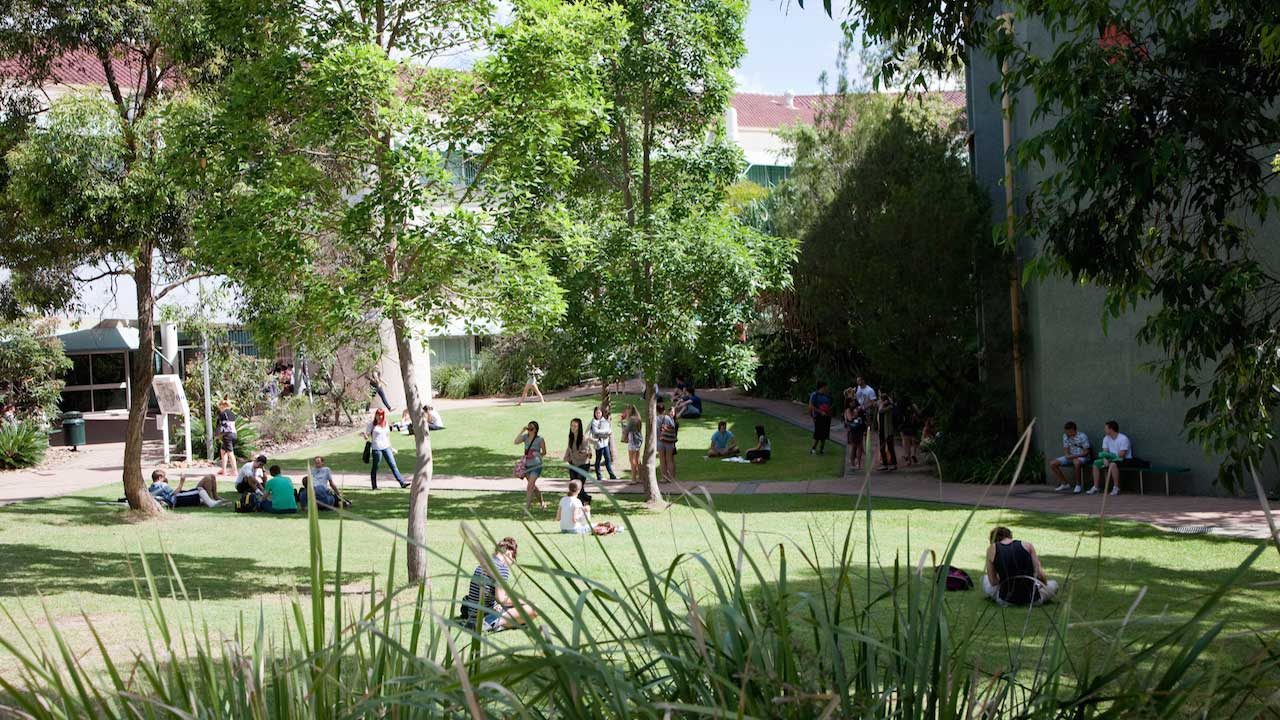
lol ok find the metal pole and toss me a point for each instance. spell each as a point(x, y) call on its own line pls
point(208, 400)
point(301, 374)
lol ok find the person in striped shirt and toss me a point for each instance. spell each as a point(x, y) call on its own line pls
point(485, 593)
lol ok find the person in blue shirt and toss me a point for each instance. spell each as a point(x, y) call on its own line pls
point(690, 406)
point(723, 443)
point(204, 493)
point(820, 411)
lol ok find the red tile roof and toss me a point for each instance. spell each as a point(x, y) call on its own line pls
point(771, 111)
point(81, 68)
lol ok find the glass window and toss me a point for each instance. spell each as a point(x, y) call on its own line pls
point(108, 368)
point(109, 400)
point(77, 400)
point(78, 374)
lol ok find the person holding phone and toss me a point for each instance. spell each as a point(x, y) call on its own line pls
point(534, 450)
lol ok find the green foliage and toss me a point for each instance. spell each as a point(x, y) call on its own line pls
point(22, 444)
point(452, 381)
point(679, 638)
point(288, 421)
point(490, 377)
point(246, 439)
point(31, 366)
point(233, 376)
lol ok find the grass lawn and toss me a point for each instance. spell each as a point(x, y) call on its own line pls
point(478, 442)
point(77, 556)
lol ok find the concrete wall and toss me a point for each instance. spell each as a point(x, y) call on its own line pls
point(1074, 369)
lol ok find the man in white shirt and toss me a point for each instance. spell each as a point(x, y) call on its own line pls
point(1075, 454)
point(1116, 451)
point(865, 395)
point(252, 475)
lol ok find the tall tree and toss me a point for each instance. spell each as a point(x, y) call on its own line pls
point(1157, 121)
point(667, 268)
point(90, 192)
point(361, 185)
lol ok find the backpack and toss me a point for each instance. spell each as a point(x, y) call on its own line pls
point(248, 502)
point(957, 579)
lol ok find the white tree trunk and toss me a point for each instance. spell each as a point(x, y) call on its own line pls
point(419, 491)
point(652, 493)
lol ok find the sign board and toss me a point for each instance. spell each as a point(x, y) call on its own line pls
point(170, 395)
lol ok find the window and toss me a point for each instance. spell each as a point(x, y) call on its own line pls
point(768, 175)
point(97, 382)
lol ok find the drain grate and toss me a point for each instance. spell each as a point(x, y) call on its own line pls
point(1193, 529)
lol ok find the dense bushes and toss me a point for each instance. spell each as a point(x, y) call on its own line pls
point(232, 375)
point(22, 444)
point(451, 381)
point(31, 366)
point(289, 420)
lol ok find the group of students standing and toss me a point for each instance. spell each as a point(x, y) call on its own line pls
point(865, 411)
point(587, 442)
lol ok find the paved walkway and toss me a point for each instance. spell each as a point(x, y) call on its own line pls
point(1236, 517)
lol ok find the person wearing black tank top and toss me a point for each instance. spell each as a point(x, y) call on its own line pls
point(1014, 575)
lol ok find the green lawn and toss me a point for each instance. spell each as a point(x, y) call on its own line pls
point(478, 442)
point(77, 556)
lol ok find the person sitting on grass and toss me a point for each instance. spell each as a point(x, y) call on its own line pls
point(278, 494)
point(1014, 575)
point(323, 478)
point(763, 449)
point(252, 475)
point(327, 495)
point(723, 443)
point(204, 493)
point(690, 405)
point(485, 595)
point(573, 517)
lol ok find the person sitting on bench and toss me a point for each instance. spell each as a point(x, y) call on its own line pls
point(1117, 452)
point(204, 493)
point(1075, 454)
point(723, 443)
point(1014, 575)
point(278, 494)
point(487, 601)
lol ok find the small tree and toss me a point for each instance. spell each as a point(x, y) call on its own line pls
point(31, 366)
point(665, 267)
point(382, 190)
point(91, 190)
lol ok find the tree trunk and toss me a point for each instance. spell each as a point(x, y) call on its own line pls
point(143, 371)
point(652, 493)
point(419, 491)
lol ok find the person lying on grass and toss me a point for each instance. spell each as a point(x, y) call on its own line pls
point(204, 493)
point(1014, 575)
point(484, 594)
point(723, 443)
point(573, 517)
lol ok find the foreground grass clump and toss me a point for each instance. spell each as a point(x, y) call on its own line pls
point(477, 442)
point(761, 624)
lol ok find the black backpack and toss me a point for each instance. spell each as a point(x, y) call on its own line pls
point(248, 502)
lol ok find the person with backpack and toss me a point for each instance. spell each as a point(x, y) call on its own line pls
point(668, 434)
point(1014, 575)
point(530, 465)
point(820, 411)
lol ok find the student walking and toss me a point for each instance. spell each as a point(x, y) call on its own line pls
point(379, 436)
point(820, 411)
point(534, 450)
point(602, 435)
point(531, 384)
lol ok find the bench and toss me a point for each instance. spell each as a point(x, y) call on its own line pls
point(1166, 470)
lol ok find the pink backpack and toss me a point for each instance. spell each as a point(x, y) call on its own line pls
point(957, 579)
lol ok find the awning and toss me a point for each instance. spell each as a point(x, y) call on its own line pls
point(109, 339)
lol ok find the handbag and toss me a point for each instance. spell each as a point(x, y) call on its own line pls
point(368, 452)
point(519, 470)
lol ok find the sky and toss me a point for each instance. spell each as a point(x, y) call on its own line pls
point(788, 46)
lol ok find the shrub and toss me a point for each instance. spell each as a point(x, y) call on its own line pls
point(452, 381)
point(232, 375)
point(488, 378)
point(31, 368)
point(246, 439)
point(22, 444)
point(288, 421)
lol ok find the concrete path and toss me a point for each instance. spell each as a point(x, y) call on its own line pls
point(1236, 517)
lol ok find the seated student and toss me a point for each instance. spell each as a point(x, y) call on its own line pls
point(690, 406)
point(1117, 452)
point(252, 475)
point(405, 424)
point(763, 449)
point(323, 478)
point(204, 493)
point(723, 443)
point(1014, 575)
point(278, 494)
point(434, 420)
point(573, 517)
point(487, 601)
point(1075, 454)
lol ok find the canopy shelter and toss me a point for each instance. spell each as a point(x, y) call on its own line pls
point(99, 339)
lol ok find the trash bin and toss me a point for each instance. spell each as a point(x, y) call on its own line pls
point(72, 429)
